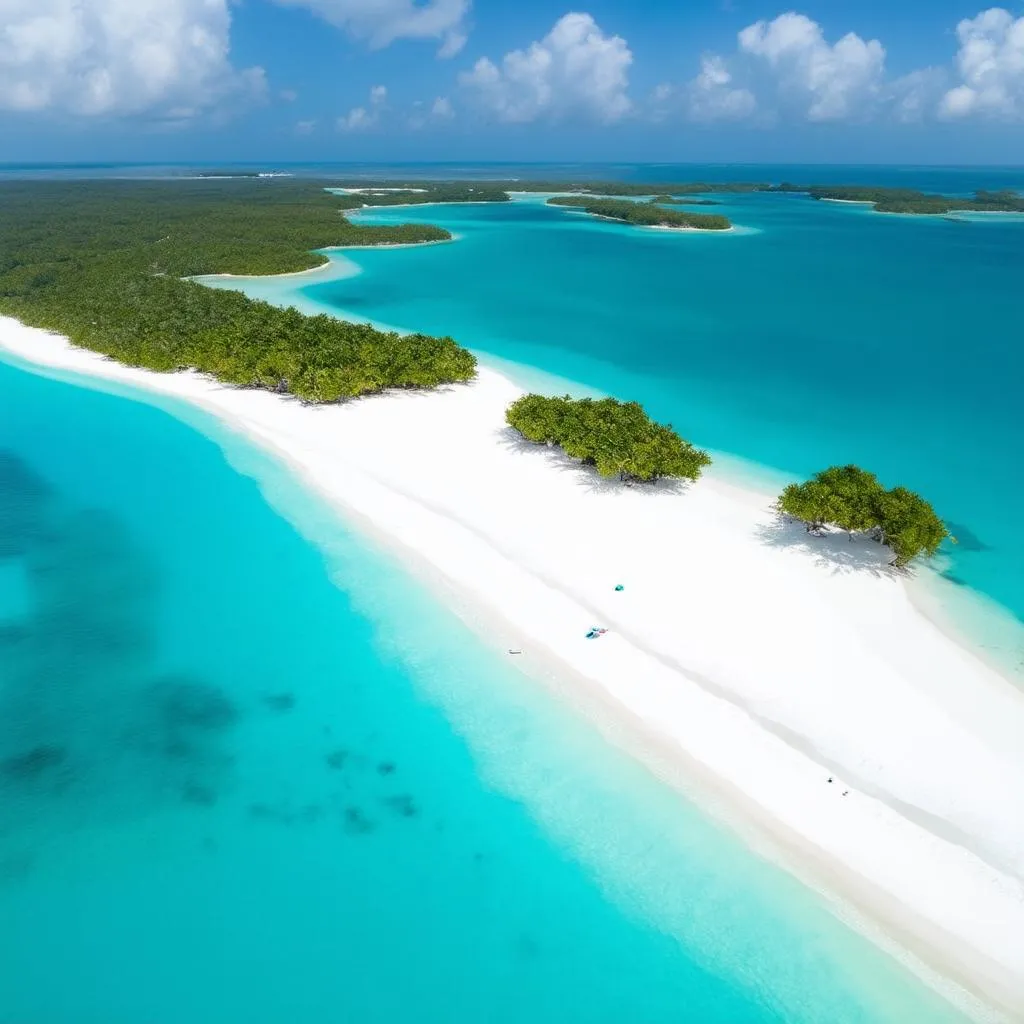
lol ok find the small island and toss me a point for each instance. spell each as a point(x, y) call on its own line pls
point(905, 200)
point(616, 438)
point(645, 214)
point(683, 193)
point(852, 499)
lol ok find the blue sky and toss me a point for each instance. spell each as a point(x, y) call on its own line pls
point(533, 80)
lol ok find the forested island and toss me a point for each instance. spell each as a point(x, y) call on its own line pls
point(617, 438)
point(852, 499)
point(905, 200)
point(648, 214)
point(106, 264)
point(681, 193)
point(884, 200)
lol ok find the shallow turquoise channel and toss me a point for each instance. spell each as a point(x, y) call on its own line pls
point(251, 772)
point(819, 334)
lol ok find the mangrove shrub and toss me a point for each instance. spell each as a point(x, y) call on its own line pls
point(618, 438)
point(852, 499)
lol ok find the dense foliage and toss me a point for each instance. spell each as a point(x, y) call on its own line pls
point(649, 214)
point(854, 500)
point(885, 200)
point(417, 193)
point(631, 188)
point(475, 191)
point(905, 200)
point(104, 262)
point(618, 438)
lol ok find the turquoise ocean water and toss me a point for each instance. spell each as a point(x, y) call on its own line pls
point(251, 771)
point(249, 777)
point(817, 334)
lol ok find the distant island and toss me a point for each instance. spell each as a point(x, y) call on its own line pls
point(649, 214)
point(108, 264)
point(884, 199)
point(904, 200)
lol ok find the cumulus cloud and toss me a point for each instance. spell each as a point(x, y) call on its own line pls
point(381, 22)
point(166, 58)
point(828, 81)
point(574, 69)
point(990, 63)
point(713, 96)
point(440, 111)
point(360, 119)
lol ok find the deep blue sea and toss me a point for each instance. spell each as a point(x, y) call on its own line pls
point(251, 771)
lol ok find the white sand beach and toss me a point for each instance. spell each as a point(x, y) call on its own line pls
point(757, 661)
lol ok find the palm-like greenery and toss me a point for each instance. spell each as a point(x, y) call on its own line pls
point(617, 438)
point(105, 264)
point(854, 500)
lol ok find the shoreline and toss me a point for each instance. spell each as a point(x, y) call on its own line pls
point(721, 653)
point(341, 269)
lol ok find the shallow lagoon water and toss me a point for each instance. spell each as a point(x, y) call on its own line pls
point(254, 772)
point(825, 333)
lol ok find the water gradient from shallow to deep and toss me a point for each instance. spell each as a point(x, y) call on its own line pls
point(249, 777)
point(821, 334)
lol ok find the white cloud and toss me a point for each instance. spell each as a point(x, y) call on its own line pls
point(440, 111)
point(827, 82)
point(359, 119)
point(990, 62)
point(574, 69)
point(381, 22)
point(288, 95)
point(304, 127)
point(167, 58)
point(912, 97)
point(712, 95)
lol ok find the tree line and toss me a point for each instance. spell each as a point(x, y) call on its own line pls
point(617, 438)
point(907, 200)
point(409, 193)
point(852, 499)
point(105, 263)
point(885, 199)
point(648, 214)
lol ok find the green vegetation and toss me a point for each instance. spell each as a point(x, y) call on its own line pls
point(854, 500)
point(618, 438)
point(905, 200)
point(885, 200)
point(476, 191)
point(417, 193)
point(104, 262)
point(648, 214)
point(631, 188)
